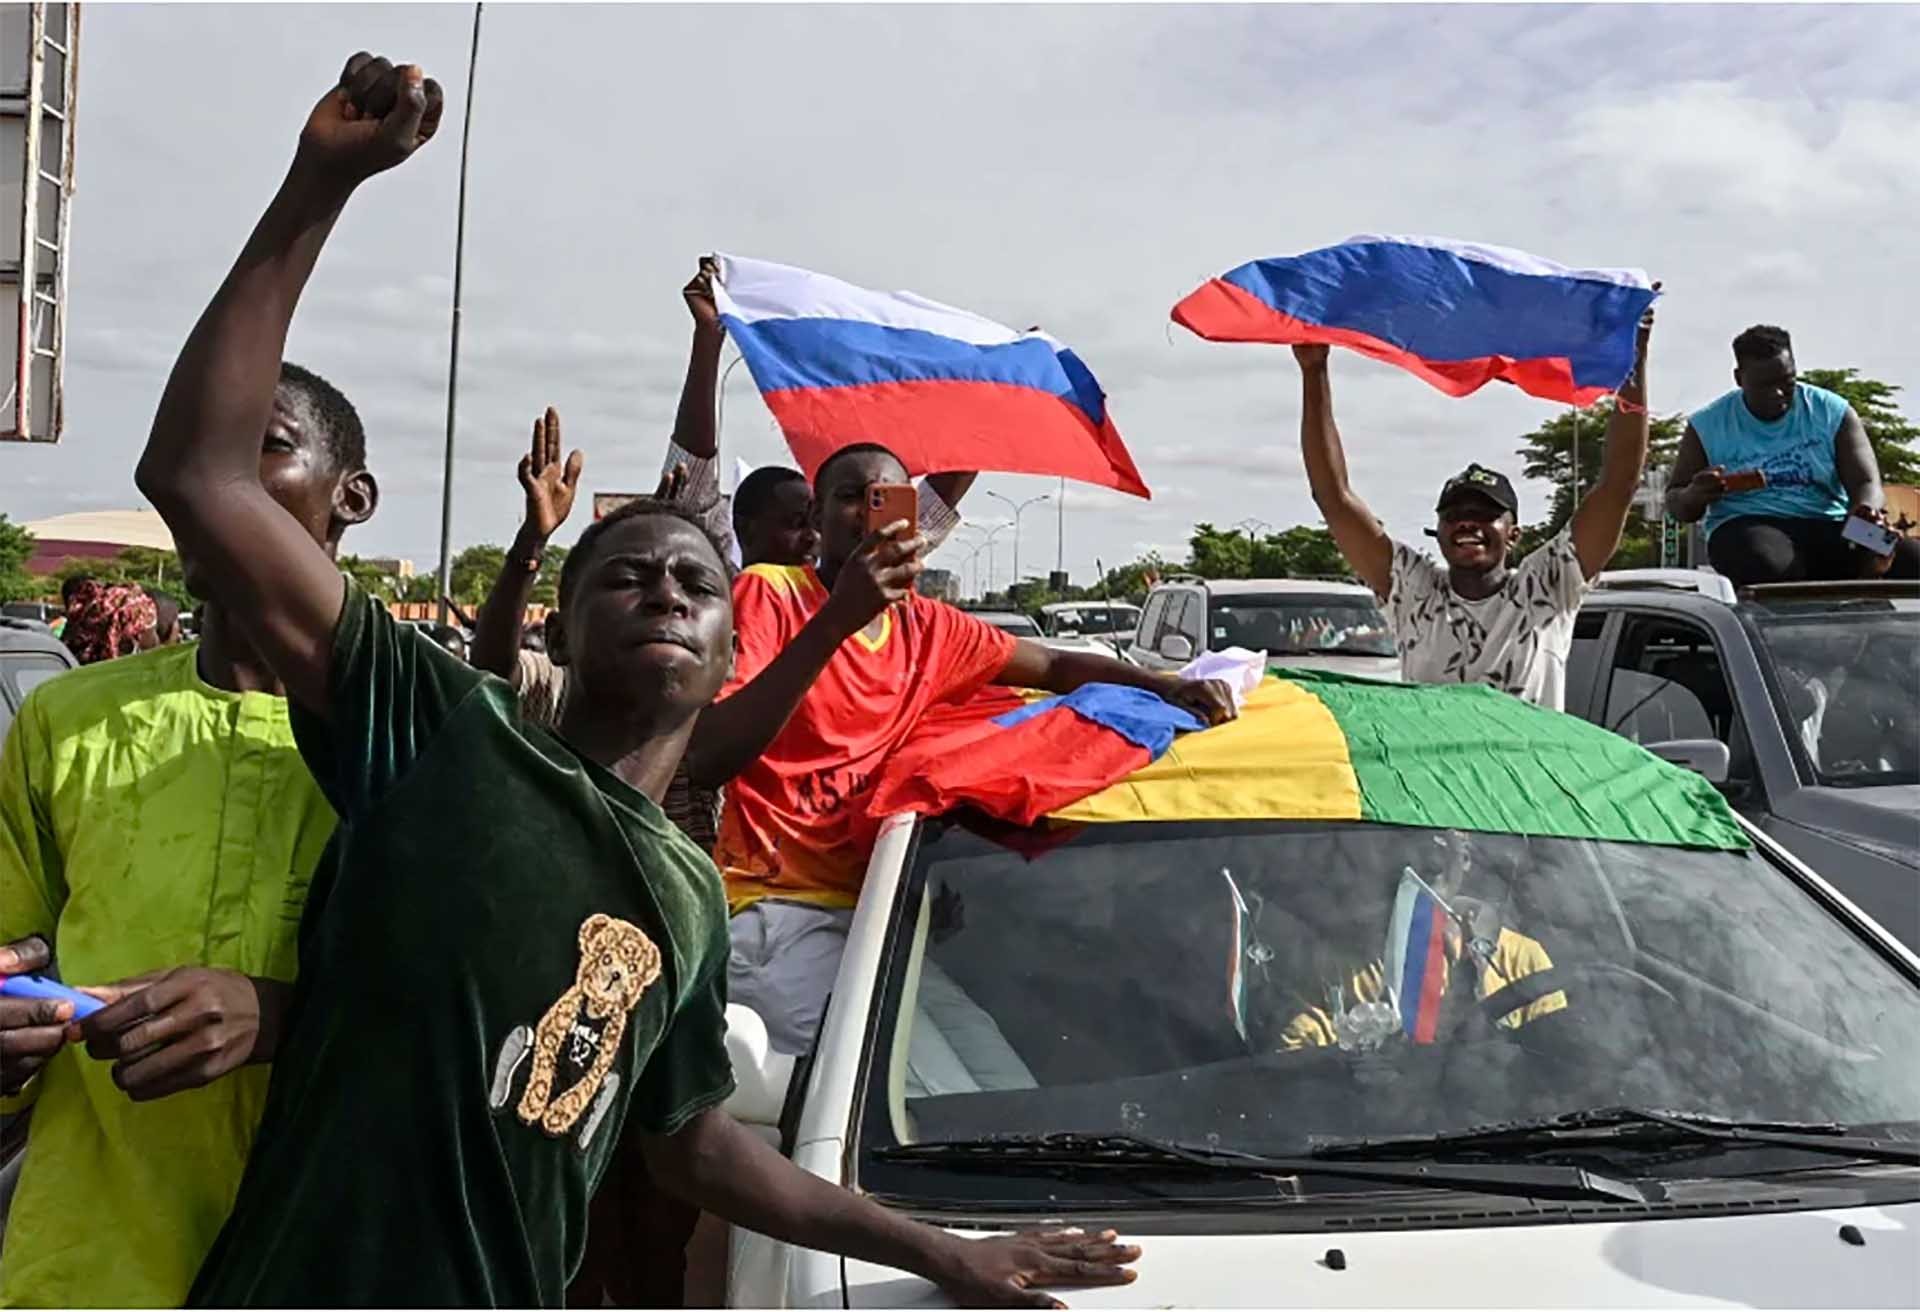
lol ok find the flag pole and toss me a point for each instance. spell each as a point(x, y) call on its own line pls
point(453, 349)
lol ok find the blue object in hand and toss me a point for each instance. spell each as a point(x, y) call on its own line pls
point(39, 986)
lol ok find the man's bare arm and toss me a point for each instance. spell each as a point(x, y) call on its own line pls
point(1358, 534)
point(550, 487)
point(720, 1165)
point(201, 467)
point(1601, 516)
point(695, 426)
point(1692, 485)
point(1858, 467)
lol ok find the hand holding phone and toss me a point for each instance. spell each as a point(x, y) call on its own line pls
point(891, 503)
point(1743, 480)
point(1869, 534)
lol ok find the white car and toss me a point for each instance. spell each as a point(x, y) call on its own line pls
point(1710, 1096)
point(1302, 624)
point(1103, 626)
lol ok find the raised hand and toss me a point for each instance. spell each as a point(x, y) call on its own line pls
point(1311, 355)
point(377, 116)
point(549, 485)
point(1012, 1270)
point(699, 297)
point(880, 574)
point(31, 1029)
point(181, 1029)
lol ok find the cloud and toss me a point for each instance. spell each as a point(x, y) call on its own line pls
point(1082, 168)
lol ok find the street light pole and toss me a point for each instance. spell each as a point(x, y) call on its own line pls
point(1019, 507)
point(993, 556)
point(453, 349)
point(1060, 530)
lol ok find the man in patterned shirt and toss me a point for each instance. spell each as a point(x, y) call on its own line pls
point(1476, 619)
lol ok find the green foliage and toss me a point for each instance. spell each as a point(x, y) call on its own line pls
point(421, 587)
point(150, 567)
point(1893, 438)
point(477, 568)
point(373, 580)
point(1547, 454)
point(16, 548)
point(1303, 550)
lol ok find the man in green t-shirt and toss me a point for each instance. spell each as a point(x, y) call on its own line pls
point(509, 959)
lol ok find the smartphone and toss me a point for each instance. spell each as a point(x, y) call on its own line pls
point(1744, 480)
point(889, 503)
point(1877, 538)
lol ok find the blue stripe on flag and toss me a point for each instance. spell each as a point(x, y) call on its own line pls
point(1142, 718)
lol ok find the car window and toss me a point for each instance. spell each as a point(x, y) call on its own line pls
point(1147, 635)
point(1847, 681)
point(1176, 618)
point(1583, 659)
point(1267, 986)
point(1300, 624)
point(21, 673)
point(1667, 683)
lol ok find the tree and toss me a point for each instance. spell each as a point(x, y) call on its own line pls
point(1301, 551)
point(1548, 454)
point(474, 571)
point(373, 580)
point(1130, 582)
point(148, 567)
point(420, 587)
point(1892, 436)
point(1220, 553)
point(16, 549)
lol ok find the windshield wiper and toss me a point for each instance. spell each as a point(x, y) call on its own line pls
point(1583, 1128)
point(1128, 1151)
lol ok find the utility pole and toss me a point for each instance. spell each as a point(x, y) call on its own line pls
point(453, 350)
point(1019, 508)
point(1060, 531)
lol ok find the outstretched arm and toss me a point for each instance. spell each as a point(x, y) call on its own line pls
point(1036, 665)
point(201, 467)
point(734, 732)
point(717, 1163)
point(1358, 534)
point(1602, 514)
point(550, 487)
point(1858, 467)
point(1692, 484)
point(694, 427)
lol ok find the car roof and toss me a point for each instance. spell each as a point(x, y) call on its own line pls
point(27, 635)
point(991, 615)
point(1713, 588)
point(1088, 605)
point(1247, 587)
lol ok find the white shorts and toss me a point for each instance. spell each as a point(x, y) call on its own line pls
point(784, 959)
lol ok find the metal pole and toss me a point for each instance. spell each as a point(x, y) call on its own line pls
point(1573, 502)
point(453, 350)
point(1060, 532)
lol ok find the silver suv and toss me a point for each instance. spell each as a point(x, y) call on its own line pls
point(1303, 624)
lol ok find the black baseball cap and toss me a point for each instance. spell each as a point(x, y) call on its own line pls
point(1479, 481)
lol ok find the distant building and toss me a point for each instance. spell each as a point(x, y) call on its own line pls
point(940, 584)
point(398, 568)
point(93, 535)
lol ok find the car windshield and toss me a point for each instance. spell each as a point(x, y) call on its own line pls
point(1018, 625)
point(1269, 986)
point(1096, 619)
point(1301, 624)
point(1847, 684)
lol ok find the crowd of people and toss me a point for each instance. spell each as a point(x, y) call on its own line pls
point(415, 967)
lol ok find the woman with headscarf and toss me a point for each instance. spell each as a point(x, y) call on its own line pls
point(105, 620)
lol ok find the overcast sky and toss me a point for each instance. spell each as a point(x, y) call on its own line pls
point(1081, 168)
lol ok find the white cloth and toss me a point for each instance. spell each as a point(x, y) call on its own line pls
point(1241, 670)
point(1517, 640)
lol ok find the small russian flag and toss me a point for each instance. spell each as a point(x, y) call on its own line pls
point(1458, 314)
point(1416, 957)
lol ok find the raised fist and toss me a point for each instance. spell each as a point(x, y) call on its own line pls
point(375, 118)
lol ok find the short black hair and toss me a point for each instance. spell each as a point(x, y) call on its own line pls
point(754, 497)
point(576, 563)
point(340, 428)
point(846, 452)
point(1763, 341)
point(72, 585)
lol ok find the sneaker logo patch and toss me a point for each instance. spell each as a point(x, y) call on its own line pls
point(574, 1046)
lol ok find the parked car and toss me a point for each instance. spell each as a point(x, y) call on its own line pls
point(1106, 626)
point(29, 656)
point(1009, 621)
point(1302, 624)
point(1078, 1026)
point(1800, 701)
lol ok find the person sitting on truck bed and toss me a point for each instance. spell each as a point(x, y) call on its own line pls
point(1818, 465)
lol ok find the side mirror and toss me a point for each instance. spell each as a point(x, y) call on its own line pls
point(1709, 758)
point(1177, 647)
point(760, 1075)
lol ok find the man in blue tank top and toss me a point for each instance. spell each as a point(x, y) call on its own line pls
point(1818, 469)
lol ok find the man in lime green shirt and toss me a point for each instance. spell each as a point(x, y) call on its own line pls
point(157, 832)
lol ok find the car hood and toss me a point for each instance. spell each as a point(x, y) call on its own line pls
point(1792, 1259)
point(1884, 819)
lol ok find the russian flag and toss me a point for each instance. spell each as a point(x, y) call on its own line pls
point(1457, 314)
point(1021, 764)
point(1416, 957)
point(942, 388)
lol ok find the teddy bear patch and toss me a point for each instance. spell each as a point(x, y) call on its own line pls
point(573, 1047)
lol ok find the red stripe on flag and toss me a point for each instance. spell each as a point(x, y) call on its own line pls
point(1433, 983)
point(1222, 312)
point(947, 424)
